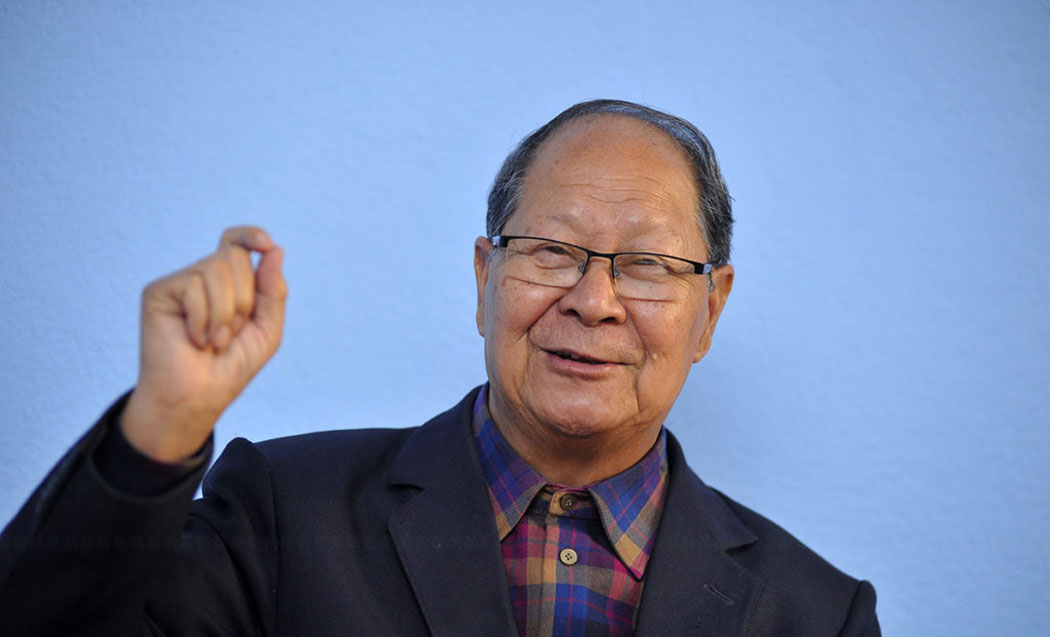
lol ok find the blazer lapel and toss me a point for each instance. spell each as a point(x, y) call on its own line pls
point(446, 533)
point(445, 536)
point(692, 586)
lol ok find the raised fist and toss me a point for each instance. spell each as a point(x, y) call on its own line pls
point(206, 331)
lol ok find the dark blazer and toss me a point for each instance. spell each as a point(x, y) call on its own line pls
point(373, 532)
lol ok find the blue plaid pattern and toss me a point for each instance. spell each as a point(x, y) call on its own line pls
point(608, 529)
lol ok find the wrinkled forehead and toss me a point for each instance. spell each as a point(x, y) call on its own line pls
point(613, 140)
point(611, 161)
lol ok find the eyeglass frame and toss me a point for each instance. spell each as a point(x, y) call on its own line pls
point(502, 240)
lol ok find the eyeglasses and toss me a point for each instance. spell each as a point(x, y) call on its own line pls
point(644, 276)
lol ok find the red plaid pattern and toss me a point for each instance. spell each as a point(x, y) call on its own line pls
point(575, 557)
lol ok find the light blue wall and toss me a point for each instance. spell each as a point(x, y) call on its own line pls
point(879, 382)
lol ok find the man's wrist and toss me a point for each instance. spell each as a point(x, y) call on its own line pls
point(132, 472)
point(159, 433)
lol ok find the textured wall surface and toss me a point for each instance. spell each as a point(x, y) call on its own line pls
point(879, 382)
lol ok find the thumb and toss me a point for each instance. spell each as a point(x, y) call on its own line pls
point(271, 290)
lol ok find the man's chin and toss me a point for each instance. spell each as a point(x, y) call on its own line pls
point(581, 419)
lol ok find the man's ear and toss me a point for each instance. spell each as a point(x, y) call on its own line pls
point(722, 284)
point(482, 252)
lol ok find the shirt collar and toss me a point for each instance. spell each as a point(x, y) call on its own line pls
point(629, 502)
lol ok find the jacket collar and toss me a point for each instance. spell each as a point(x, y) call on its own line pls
point(447, 542)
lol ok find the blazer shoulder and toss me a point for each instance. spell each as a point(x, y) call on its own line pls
point(345, 459)
point(801, 593)
point(796, 577)
point(324, 449)
point(309, 464)
point(792, 556)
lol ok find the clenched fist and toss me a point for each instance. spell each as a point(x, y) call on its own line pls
point(206, 331)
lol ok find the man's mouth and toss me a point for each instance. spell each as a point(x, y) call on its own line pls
point(580, 358)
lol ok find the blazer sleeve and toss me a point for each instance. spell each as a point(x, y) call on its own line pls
point(82, 558)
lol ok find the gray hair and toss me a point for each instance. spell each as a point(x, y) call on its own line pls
point(714, 212)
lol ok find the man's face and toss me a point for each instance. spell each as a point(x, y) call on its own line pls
point(611, 184)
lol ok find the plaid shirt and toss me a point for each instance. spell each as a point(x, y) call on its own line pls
point(575, 557)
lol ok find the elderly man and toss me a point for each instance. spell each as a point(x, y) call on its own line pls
point(549, 501)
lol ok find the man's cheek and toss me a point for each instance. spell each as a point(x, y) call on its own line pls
point(519, 307)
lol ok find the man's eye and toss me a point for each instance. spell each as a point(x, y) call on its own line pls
point(554, 250)
point(647, 262)
point(553, 256)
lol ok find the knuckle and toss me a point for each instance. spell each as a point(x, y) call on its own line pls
point(217, 267)
point(242, 305)
point(230, 233)
point(170, 284)
point(152, 288)
point(233, 235)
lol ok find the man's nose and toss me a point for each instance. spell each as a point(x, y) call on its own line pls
point(594, 297)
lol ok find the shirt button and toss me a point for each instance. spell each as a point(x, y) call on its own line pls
point(567, 501)
point(568, 557)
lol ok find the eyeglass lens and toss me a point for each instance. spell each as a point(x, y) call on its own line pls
point(639, 276)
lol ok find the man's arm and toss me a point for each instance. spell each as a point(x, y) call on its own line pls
point(84, 554)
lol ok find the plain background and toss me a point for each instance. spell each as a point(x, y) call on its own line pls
point(879, 381)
